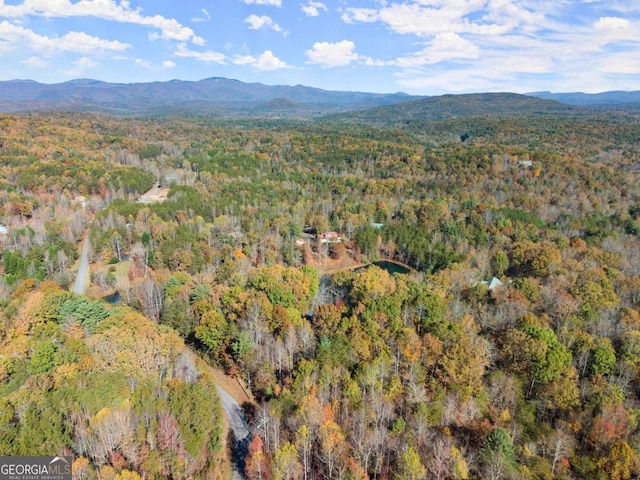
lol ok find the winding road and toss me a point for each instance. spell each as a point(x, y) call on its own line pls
point(240, 430)
point(232, 409)
point(83, 269)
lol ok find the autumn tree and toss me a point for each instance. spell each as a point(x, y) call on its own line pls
point(256, 462)
point(622, 462)
point(409, 466)
point(285, 464)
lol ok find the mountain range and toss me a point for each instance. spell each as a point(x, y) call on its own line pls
point(604, 99)
point(222, 97)
point(212, 96)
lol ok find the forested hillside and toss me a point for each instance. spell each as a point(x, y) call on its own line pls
point(483, 105)
point(106, 385)
point(259, 258)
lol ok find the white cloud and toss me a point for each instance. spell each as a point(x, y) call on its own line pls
point(206, 17)
point(444, 46)
point(143, 63)
point(366, 15)
point(426, 18)
point(312, 9)
point(418, 20)
point(371, 62)
point(81, 66)
point(257, 22)
point(170, 28)
point(338, 54)
point(275, 3)
point(512, 16)
point(206, 56)
point(489, 45)
point(244, 59)
point(441, 83)
point(497, 72)
point(81, 42)
point(85, 62)
point(35, 62)
point(621, 63)
point(611, 23)
point(78, 42)
point(267, 61)
point(615, 29)
point(431, 45)
point(198, 41)
point(500, 65)
point(512, 63)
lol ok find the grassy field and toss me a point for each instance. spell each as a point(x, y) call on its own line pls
point(122, 274)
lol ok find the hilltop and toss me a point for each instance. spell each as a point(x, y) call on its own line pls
point(447, 107)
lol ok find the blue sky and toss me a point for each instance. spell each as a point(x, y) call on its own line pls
point(424, 47)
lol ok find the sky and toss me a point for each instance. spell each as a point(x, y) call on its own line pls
point(421, 47)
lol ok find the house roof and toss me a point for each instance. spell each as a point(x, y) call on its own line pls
point(494, 282)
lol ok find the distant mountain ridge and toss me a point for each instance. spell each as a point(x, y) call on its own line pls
point(215, 96)
point(592, 99)
point(223, 97)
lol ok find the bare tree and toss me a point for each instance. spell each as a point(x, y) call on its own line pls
point(116, 241)
point(150, 295)
point(185, 367)
point(439, 458)
point(559, 446)
point(495, 468)
point(62, 261)
point(105, 432)
point(269, 425)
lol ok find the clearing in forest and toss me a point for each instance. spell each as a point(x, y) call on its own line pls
point(156, 194)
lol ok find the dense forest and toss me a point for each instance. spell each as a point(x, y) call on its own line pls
point(258, 259)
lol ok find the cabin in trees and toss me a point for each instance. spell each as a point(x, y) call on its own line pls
point(329, 237)
point(524, 163)
point(493, 283)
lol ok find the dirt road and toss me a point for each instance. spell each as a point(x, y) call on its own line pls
point(240, 430)
point(83, 269)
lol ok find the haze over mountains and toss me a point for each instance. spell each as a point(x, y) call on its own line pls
point(227, 97)
point(612, 98)
point(211, 96)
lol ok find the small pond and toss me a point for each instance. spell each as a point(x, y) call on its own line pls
point(391, 267)
point(113, 299)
